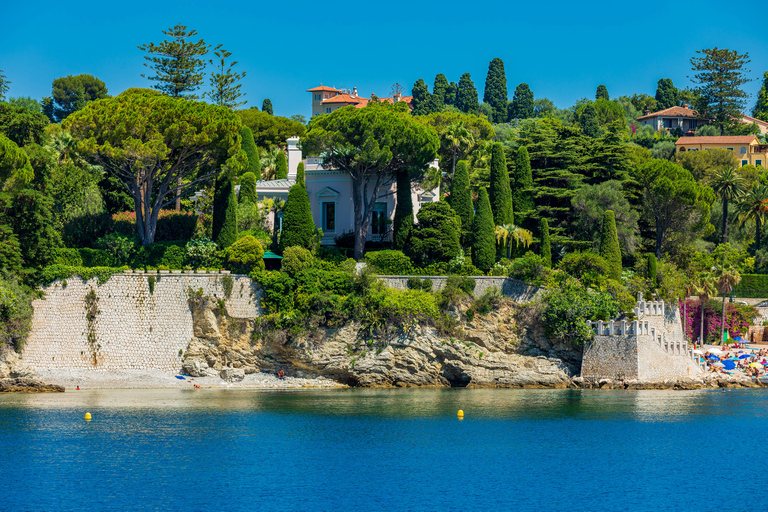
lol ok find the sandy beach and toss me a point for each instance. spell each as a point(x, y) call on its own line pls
point(156, 379)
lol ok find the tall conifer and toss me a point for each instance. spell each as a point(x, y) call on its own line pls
point(461, 201)
point(521, 106)
point(403, 223)
point(466, 95)
point(248, 188)
point(224, 222)
point(761, 107)
point(249, 146)
point(500, 193)
point(298, 225)
point(495, 93)
point(300, 175)
point(667, 95)
point(440, 92)
point(609, 246)
point(522, 182)
point(422, 101)
point(266, 106)
point(602, 92)
point(483, 234)
point(281, 167)
point(546, 248)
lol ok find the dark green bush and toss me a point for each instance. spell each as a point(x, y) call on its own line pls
point(245, 254)
point(389, 262)
point(174, 257)
point(296, 259)
point(119, 247)
point(752, 286)
point(531, 268)
point(95, 258)
point(70, 257)
point(414, 283)
point(487, 301)
point(588, 267)
point(83, 231)
point(51, 273)
point(437, 236)
point(346, 240)
point(278, 290)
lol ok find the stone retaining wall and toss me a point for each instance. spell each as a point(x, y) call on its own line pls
point(517, 290)
point(134, 328)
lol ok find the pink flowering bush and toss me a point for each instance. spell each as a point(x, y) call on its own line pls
point(171, 225)
point(737, 319)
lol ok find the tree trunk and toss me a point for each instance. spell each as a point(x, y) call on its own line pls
point(722, 322)
point(453, 170)
point(725, 220)
point(178, 194)
point(757, 233)
point(658, 241)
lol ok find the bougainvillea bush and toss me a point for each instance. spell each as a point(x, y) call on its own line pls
point(738, 317)
point(171, 225)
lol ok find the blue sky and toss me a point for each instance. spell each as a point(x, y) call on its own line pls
point(563, 50)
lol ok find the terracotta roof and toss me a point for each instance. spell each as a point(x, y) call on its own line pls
point(671, 112)
point(346, 98)
point(750, 120)
point(406, 99)
point(734, 139)
point(323, 88)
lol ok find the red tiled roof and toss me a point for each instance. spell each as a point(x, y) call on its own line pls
point(323, 88)
point(671, 112)
point(750, 120)
point(346, 98)
point(734, 139)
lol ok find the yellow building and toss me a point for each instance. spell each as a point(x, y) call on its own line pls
point(747, 148)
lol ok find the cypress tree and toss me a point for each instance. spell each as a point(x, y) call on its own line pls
point(281, 167)
point(298, 226)
point(440, 92)
point(761, 106)
point(483, 234)
point(249, 146)
point(667, 95)
point(300, 177)
point(546, 248)
point(500, 192)
point(451, 94)
point(248, 188)
point(266, 106)
point(461, 201)
point(403, 223)
point(495, 93)
point(609, 246)
point(521, 106)
point(652, 270)
point(224, 222)
point(602, 92)
point(466, 95)
point(522, 182)
point(422, 102)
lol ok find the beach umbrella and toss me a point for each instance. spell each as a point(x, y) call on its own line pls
point(729, 365)
point(754, 365)
point(737, 338)
point(718, 364)
point(713, 358)
point(714, 351)
point(764, 362)
point(745, 356)
point(697, 351)
point(734, 359)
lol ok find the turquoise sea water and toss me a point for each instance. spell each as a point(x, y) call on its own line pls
point(358, 449)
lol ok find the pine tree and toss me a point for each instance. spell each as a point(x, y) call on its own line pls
point(440, 92)
point(609, 246)
point(499, 192)
point(522, 182)
point(298, 226)
point(521, 106)
point(254, 162)
point(177, 62)
point(422, 102)
point(300, 176)
point(667, 95)
point(403, 223)
point(248, 188)
point(225, 91)
point(466, 95)
point(721, 73)
point(652, 277)
point(461, 201)
point(495, 93)
point(281, 167)
point(546, 248)
point(224, 222)
point(483, 234)
point(761, 107)
point(602, 92)
point(266, 106)
point(3, 85)
point(588, 121)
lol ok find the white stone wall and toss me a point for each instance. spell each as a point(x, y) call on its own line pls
point(134, 329)
point(515, 289)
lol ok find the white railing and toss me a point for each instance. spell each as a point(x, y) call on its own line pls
point(644, 308)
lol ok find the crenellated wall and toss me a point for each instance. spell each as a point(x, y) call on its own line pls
point(131, 326)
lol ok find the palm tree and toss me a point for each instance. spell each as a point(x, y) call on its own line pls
point(752, 206)
point(726, 278)
point(703, 286)
point(269, 162)
point(509, 232)
point(728, 185)
point(457, 138)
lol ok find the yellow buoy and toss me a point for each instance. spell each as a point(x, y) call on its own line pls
point(460, 414)
point(87, 416)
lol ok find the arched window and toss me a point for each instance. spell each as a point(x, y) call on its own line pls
point(743, 149)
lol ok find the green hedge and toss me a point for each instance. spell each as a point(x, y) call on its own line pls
point(753, 286)
point(71, 257)
point(95, 258)
point(51, 273)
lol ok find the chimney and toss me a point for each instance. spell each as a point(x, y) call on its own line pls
point(646, 112)
point(396, 97)
point(294, 157)
point(354, 91)
point(685, 105)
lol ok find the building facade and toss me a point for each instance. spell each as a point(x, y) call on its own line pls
point(328, 99)
point(747, 148)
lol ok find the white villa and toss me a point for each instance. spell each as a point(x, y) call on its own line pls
point(330, 197)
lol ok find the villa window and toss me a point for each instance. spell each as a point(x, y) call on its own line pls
point(329, 216)
point(327, 96)
point(327, 110)
point(318, 97)
point(682, 150)
point(729, 149)
point(744, 162)
point(379, 219)
point(758, 162)
point(743, 150)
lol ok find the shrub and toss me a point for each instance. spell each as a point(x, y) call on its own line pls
point(249, 217)
point(296, 259)
point(546, 249)
point(224, 223)
point(95, 257)
point(609, 246)
point(245, 254)
point(389, 262)
point(119, 247)
point(84, 230)
point(345, 240)
point(171, 225)
point(752, 286)
point(51, 273)
point(455, 288)
point(531, 268)
point(414, 283)
point(15, 311)
point(501, 268)
point(402, 307)
point(70, 257)
point(200, 253)
point(488, 301)
point(588, 267)
point(278, 290)
point(298, 226)
point(174, 257)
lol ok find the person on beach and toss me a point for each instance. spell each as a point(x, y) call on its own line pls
point(280, 374)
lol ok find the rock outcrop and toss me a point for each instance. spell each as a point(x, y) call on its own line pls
point(28, 385)
point(505, 348)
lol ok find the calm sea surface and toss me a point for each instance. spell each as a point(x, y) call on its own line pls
point(389, 450)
